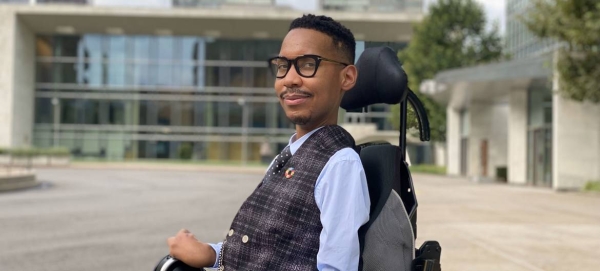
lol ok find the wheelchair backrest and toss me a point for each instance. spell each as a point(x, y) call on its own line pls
point(388, 239)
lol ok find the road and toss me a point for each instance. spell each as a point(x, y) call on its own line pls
point(118, 219)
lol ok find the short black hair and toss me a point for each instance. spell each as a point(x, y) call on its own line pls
point(342, 37)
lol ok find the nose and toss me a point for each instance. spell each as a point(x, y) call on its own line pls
point(292, 79)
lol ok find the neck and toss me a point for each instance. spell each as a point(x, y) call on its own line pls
point(302, 130)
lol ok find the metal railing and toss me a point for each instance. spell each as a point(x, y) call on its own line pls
point(372, 5)
point(213, 3)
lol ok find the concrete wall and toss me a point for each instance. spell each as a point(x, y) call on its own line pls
point(17, 70)
point(7, 29)
point(576, 143)
point(517, 136)
point(23, 86)
point(452, 141)
point(487, 122)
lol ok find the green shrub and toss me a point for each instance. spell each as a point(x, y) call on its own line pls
point(3, 151)
point(24, 152)
point(185, 151)
point(29, 152)
point(425, 168)
point(592, 186)
point(56, 151)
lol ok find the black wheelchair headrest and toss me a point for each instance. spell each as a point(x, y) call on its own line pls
point(381, 79)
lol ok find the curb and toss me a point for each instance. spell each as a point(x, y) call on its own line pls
point(18, 181)
point(152, 166)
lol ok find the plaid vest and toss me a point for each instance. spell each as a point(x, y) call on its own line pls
point(278, 226)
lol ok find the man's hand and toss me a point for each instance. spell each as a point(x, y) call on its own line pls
point(186, 248)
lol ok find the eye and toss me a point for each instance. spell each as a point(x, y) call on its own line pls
point(308, 65)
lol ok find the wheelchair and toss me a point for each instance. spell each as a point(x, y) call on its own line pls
point(387, 240)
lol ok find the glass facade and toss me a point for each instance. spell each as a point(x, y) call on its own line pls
point(539, 135)
point(131, 97)
point(151, 97)
point(520, 42)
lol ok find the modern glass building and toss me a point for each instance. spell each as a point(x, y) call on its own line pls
point(188, 82)
point(121, 96)
point(507, 120)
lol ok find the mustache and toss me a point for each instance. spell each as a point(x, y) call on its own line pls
point(291, 91)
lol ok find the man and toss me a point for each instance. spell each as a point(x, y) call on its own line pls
point(306, 212)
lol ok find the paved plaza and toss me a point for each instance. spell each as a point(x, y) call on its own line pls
point(90, 219)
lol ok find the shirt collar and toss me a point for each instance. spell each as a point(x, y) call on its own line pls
point(295, 145)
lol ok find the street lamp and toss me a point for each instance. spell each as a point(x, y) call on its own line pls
point(242, 103)
point(56, 122)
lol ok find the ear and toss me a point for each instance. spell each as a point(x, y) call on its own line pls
point(349, 76)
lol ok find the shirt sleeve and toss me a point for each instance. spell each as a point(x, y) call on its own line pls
point(217, 248)
point(342, 196)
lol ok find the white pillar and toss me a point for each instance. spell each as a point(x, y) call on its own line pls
point(517, 136)
point(7, 21)
point(24, 88)
point(453, 141)
point(17, 66)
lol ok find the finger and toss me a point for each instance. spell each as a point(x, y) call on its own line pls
point(170, 241)
point(184, 231)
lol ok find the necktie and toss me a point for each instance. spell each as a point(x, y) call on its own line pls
point(280, 161)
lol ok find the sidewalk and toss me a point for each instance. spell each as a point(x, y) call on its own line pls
point(505, 227)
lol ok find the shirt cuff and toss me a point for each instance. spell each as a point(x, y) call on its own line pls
point(217, 248)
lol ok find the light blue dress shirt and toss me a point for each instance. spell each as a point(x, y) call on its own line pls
point(342, 196)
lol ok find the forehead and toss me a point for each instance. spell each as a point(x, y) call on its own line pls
point(301, 41)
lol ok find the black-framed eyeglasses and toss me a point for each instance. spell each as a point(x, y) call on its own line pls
point(306, 65)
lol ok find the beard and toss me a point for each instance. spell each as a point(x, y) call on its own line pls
point(297, 120)
point(300, 120)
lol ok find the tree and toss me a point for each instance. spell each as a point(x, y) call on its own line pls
point(451, 35)
point(576, 24)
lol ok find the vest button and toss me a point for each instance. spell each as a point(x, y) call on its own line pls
point(230, 232)
point(245, 239)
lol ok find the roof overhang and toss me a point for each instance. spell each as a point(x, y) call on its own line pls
point(225, 22)
point(490, 83)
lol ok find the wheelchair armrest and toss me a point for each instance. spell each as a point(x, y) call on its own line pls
point(428, 257)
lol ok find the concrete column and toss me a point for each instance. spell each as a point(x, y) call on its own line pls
point(7, 25)
point(439, 153)
point(17, 68)
point(453, 141)
point(517, 137)
point(480, 118)
point(24, 86)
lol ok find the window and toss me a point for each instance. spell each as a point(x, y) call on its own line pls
point(44, 110)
